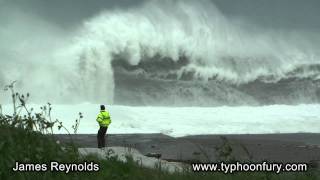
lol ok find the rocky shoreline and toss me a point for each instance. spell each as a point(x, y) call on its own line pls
point(301, 147)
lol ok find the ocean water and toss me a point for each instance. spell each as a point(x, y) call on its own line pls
point(174, 67)
point(168, 53)
point(182, 121)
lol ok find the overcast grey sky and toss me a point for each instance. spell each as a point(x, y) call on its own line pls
point(292, 14)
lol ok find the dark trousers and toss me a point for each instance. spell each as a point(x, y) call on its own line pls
point(101, 137)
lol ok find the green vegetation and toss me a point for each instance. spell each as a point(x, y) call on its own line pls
point(20, 145)
point(28, 139)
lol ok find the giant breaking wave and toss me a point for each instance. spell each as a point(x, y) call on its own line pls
point(176, 53)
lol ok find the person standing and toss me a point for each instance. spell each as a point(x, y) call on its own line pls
point(104, 121)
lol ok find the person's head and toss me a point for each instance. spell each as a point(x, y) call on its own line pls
point(102, 108)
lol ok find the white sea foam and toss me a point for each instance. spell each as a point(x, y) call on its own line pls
point(193, 120)
point(75, 65)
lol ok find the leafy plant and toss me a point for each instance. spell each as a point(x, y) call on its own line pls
point(25, 117)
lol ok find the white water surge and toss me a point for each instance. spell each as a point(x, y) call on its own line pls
point(193, 120)
point(75, 65)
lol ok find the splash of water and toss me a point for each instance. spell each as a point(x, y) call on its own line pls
point(81, 69)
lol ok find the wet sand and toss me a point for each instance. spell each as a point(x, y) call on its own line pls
point(301, 147)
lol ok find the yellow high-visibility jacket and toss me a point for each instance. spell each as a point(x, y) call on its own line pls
point(104, 119)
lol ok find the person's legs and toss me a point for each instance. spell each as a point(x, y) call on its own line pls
point(99, 137)
point(103, 136)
